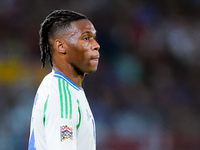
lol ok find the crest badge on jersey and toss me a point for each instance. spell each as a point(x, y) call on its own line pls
point(66, 133)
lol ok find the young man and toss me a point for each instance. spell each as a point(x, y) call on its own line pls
point(61, 116)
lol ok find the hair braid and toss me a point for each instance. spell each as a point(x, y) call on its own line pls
point(57, 20)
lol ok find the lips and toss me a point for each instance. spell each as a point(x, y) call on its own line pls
point(95, 57)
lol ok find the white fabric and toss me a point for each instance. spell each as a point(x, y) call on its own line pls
point(60, 103)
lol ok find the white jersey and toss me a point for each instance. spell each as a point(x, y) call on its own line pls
point(61, 116)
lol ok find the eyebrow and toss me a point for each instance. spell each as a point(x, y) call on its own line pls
point(88, 32)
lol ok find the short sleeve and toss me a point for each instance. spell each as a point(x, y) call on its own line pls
point(60, 126)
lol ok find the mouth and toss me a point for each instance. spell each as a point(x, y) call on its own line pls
point(95, 57)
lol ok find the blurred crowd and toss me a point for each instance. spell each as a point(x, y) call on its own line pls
point(146, 92)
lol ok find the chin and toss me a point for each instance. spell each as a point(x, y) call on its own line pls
point(91, 71)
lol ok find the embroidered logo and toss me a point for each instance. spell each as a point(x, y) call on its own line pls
point(66, 133)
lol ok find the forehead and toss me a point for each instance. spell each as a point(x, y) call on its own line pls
point(83, 26)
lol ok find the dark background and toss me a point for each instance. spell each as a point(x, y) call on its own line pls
point(146, 92)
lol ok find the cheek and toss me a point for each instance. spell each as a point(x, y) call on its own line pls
point(73, 42)
point(84, 44)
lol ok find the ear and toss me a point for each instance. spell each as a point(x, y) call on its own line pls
point(60, 46)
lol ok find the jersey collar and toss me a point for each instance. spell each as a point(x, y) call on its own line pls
point(62, 76)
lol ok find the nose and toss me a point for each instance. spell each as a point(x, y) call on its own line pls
point(95, 46)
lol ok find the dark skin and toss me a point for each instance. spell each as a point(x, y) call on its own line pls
point(75, 50)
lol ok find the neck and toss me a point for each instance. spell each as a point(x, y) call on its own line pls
point(71, 73)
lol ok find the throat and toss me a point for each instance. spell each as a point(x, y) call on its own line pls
point(78, 71)
point(77, 75)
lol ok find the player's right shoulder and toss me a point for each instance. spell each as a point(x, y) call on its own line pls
point(43, 90)
point(46, 83)
point(49, 86)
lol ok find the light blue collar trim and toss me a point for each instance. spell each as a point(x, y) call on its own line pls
point(62, 76)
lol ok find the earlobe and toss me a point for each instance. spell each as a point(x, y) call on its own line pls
point(60, 46)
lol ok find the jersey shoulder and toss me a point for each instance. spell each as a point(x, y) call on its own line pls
point(46, 82)
point(44, 89)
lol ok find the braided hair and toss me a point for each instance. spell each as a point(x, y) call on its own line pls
point(54, 22)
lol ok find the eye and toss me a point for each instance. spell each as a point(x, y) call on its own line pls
point(86, 38)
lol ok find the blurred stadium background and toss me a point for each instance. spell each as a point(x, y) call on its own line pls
point(146, 92)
